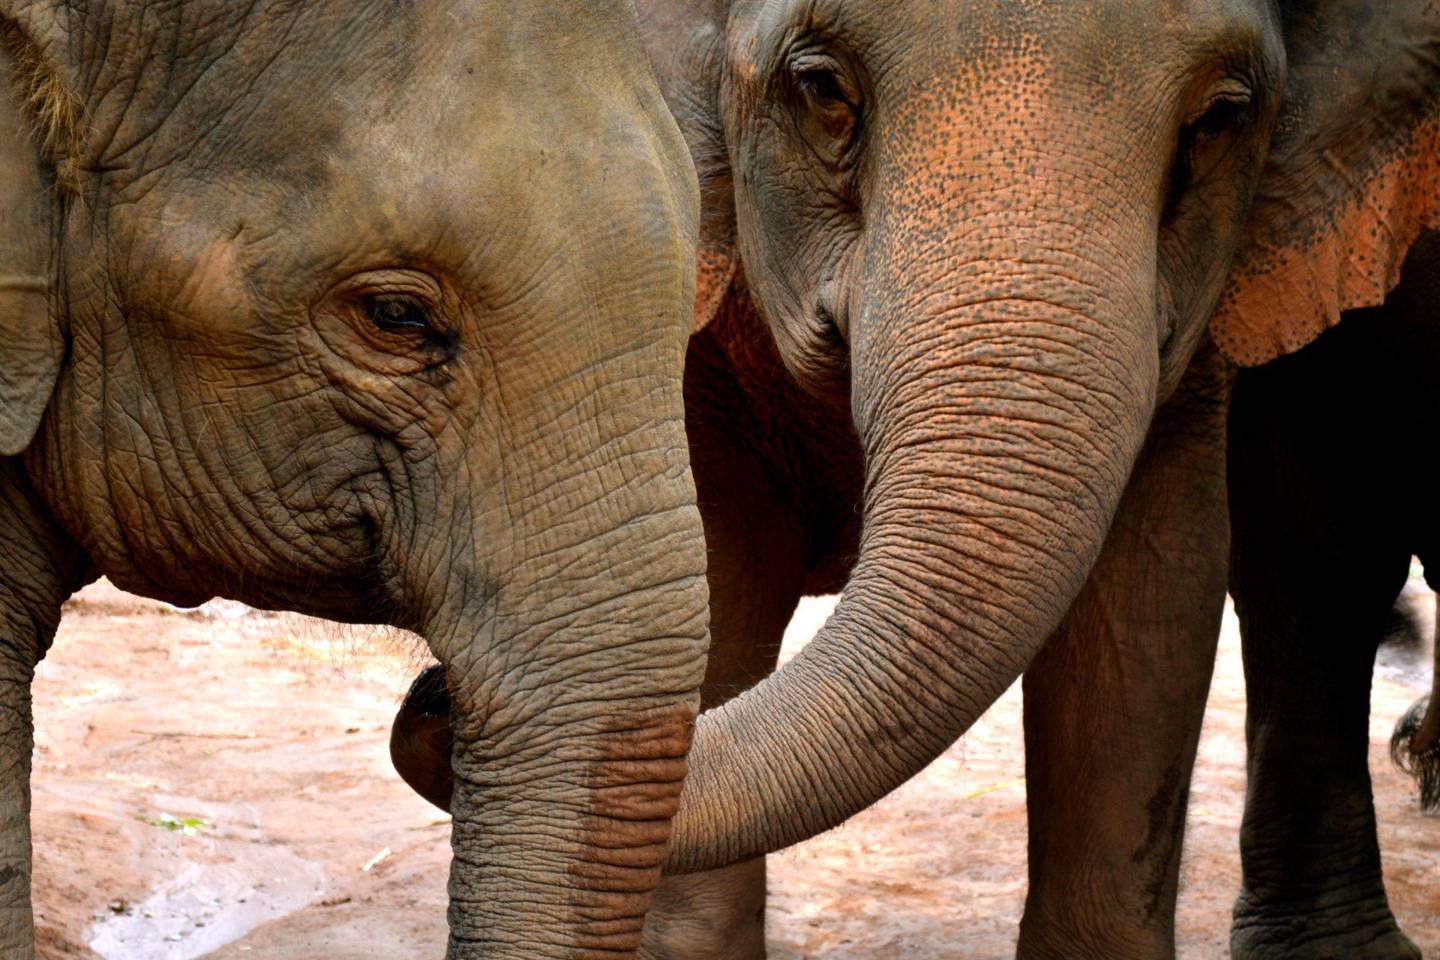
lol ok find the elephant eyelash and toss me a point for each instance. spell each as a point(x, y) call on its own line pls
point(1229, 107)
point(1224, 113)
point(397, 313)
point(411, 320)
point(1228, 112)
point(399, 310)
point(829, 104)
point(839, 116)
point(824, 84)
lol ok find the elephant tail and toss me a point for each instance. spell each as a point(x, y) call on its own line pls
point(1415, 745)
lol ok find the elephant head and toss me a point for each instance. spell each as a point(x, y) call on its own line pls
point(377, 312)
point(994, 234)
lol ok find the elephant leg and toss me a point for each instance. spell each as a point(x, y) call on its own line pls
point(17, 664)
point(1317, 562)
point(758, 550)
point(38, 571)
point(1415, 745)
point(718, 915)
point(1114, 702)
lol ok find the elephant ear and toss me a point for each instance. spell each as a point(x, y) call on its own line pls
point(686, 43)
point(1353, 177)
point(35, 114)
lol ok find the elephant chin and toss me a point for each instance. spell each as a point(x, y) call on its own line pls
point(421, 739)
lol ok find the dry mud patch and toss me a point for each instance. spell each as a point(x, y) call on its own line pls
point(215, 784)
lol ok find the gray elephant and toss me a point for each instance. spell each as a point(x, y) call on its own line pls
point(375, 312)
point(958, 263)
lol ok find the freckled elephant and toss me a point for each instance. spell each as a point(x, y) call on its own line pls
point(272, 329)
point(958, 263)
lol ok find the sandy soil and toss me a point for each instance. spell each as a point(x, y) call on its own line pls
point(215, 784)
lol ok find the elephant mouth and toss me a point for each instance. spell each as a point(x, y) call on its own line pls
point(422, 739)
point(429, 695)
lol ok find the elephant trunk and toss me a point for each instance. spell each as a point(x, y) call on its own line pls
point(565, 597)
point(571, 725)
point(1001, 401)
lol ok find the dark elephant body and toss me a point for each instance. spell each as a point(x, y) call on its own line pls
point(376, 312)
point(1323, 539)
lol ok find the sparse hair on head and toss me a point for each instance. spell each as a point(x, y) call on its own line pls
point(55, 110)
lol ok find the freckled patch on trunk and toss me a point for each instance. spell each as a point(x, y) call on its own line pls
point(1283, 295)
point(635, 786)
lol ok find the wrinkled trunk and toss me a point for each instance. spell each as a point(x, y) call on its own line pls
point(569, 602)
point(1000, 431)
point(569, 757)
point(1002, 386)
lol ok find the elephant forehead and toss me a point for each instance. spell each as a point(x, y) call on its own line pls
point(327, 133)
point(1117, 40)
point(282, 84)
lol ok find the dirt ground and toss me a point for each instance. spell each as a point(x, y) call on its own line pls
point(215, 784)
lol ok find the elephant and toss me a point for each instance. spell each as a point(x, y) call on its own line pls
point(1415, 745)
point(375, 312)
point(972, 284)
point(1321, 548)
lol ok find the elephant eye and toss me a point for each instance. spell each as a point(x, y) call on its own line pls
point(397, 314)
point(829, 106)
point(1223, 114)
point(1206, 137)
point(826, 96)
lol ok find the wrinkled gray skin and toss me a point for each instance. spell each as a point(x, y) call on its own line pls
point(374, 311)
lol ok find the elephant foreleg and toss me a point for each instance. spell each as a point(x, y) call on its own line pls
point(16, 742)
point(1415, 747)
point(36, 573)
point(1114, 702)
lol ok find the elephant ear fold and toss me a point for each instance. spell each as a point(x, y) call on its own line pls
point(31, 341)
point(715, 268)
point(1353, 176)
point(685, 40)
